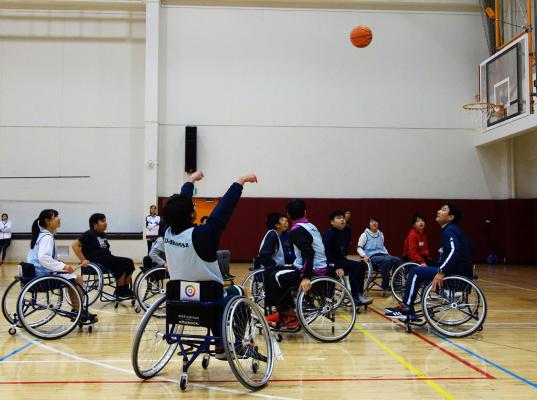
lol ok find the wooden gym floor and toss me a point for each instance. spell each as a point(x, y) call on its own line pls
point(377, 360)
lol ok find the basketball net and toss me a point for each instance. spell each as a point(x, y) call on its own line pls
point(483, 112)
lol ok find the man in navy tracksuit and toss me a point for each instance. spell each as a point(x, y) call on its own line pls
point(456, 259)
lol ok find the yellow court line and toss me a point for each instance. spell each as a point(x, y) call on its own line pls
point(405, 363)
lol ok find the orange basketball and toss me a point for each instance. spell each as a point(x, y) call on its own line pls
point(361, 36)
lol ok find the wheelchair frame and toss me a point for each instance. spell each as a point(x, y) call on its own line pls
point(106, 279)
point(194, 345)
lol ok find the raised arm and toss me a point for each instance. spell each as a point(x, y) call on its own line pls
point(207, 237)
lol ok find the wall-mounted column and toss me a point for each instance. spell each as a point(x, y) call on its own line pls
point(152, 33)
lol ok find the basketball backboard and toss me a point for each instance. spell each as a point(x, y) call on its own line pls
point(504, 80)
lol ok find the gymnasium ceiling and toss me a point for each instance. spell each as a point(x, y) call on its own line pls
point(139, 5)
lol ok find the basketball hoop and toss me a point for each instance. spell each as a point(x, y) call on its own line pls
point(486, 111)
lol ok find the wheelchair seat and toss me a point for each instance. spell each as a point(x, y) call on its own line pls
point(26, 272)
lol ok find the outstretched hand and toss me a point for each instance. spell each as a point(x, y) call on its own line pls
point(247, 179)
point(196, 176)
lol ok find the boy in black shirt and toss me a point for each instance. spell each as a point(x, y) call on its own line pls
point(334, 240)
point(93, 246)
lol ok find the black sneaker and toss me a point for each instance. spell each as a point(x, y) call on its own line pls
point(399, 312)
point(126, 294)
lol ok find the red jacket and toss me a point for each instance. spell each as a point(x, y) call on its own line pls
point(416, 248)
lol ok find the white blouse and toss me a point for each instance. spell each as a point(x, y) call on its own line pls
point(5, 229)
point(46, 251)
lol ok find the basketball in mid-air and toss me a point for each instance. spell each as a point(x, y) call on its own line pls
point(361, 36)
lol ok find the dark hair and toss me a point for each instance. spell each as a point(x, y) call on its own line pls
point(273, 219)
point(415, 218)
point(334, 214)
point(162, 229)
point(150, 207)
point(203, 219)
point(95, 218)
point(41, 222)
point(5, 215)
point(178, 213)
point(296, 209)
point(346, 210)
point(371, 218)
point(455, 211)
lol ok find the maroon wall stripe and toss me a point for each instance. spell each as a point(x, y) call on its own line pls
point(511, 234)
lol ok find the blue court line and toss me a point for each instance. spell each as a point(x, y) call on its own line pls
point(526, 381)
point(16, 351)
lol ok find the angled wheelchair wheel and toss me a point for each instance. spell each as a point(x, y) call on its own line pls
point(92, 277)
point(327, 312)
point(109, 286)
point(399, 279)
point(151, 286)
point(456, 310)
point(247, 343)
point(9, 301)
point(43, 309)
point(254, 282)
point(151, 350)
point(370, 276)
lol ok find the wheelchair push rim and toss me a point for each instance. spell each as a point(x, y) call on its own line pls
point(457, 310)
point(43, 309)
point(150, 350)
point(327, 312)
point(247, 343)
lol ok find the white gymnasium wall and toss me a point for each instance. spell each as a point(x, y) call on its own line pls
point(283, 93)
point(525, 149)
point(71, 103)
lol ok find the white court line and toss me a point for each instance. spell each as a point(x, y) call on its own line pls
point(508, 285)
point(140, 315)
point(62, 361)
point(158, 378)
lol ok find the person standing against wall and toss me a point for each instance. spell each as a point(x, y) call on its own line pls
point(152, 223)
point(5, 236)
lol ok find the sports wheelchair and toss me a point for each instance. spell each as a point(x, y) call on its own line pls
point(244, 337)
point(327, 312)
point(373, 276)
point(44, 306)
point(100, 284)
point(149, 285)
point(456, 310)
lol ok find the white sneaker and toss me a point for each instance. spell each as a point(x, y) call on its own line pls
point(365, 300)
